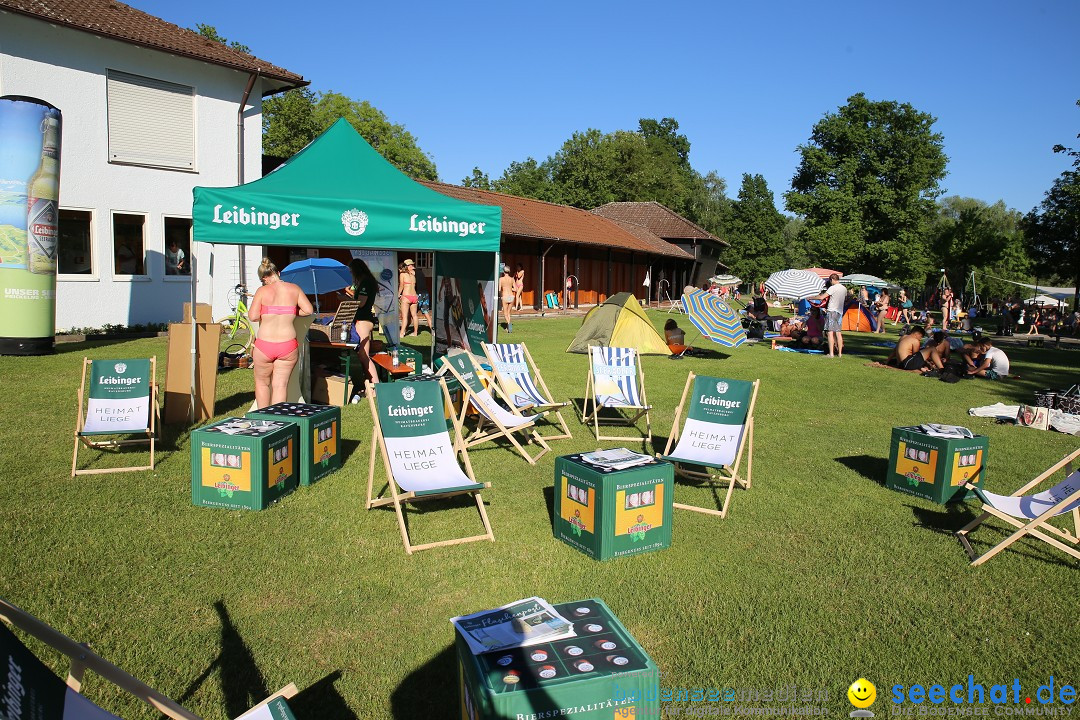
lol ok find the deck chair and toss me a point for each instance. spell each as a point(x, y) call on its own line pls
point(419, 455)
point(494, 421)
point(521, 382)
point(719, 427)
point(44, 695)
point(123, 400)
point(1029, 513)
point(617, 381)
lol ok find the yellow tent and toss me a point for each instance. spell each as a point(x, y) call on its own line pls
point(619, 322)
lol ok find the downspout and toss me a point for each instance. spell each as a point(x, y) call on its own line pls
point(240, 160)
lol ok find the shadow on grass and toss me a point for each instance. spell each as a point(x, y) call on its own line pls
point(242, 683)
point(322, 701)
point(549, 500)
point(235, 404)
point(869, 466)
point(946, 521)
point(348, 447)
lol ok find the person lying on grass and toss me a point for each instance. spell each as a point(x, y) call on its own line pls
point(910, 355)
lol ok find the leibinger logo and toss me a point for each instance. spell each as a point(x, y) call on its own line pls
point(1050, 698)
point(461, 228)
point(354, 221)
point(120, 368)
point(721, 387)
point(14, 693)
point(408, 393)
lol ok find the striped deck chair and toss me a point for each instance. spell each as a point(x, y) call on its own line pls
point(521, 383)
point(42, 695)
point(616, 380)
point(122, 401)
point(494, 421)
point(719, 427)
point(1029, 513)
point(419, 455)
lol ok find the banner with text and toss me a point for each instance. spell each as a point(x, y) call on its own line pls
point(119, 396)
point(715, 421)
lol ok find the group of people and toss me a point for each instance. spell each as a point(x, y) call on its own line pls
point(978, 358)
point(277, 302)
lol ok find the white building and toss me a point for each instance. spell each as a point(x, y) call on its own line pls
point(150, 110)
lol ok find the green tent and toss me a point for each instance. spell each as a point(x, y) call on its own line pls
point(339, 192)
point(619, 321)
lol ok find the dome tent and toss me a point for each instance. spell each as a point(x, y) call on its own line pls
point(619, 321)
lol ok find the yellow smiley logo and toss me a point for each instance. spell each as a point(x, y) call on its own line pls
point(862, 693)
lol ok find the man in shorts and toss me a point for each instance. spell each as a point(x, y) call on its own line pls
point(909, 353)
point(835, 293)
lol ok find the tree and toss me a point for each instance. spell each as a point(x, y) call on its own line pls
point(970, 235)
point(527, 179)
point(210, 32)
point(755, 232)
point(866, 186)
point(479, 180)
point(295, 118)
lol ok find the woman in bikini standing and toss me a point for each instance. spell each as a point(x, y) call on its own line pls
point(519, 285)
point(274, 306)
point(364, 289)
point(408, 299)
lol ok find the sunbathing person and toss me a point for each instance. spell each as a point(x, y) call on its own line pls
point(910, 355)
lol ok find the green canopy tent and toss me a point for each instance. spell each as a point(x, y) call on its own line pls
point(338, 192)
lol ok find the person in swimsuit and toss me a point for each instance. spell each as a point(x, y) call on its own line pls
point(408, 299)
point(519, 285)
point(364, 289)
point(910, 355)
point(881, 306)
point(274, 306)
point(905, 308)
point(506, 293)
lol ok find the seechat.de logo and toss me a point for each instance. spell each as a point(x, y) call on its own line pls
point(119, 368)
point(721, 387)
point(408, 393)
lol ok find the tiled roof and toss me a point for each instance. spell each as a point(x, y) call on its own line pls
point(118, 21)
point(525, 217)
point(660, 220)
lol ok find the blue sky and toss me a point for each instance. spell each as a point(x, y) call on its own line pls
point(487, 83)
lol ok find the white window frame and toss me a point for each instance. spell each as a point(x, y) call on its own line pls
point(142, 91)
point(145, 276)
point(185, 278)
point(95, 268)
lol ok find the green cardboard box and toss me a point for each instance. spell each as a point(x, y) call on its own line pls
point(320, 435)
point(612, 514)
point(602, 673)
point(239, 463)
point(935, 468)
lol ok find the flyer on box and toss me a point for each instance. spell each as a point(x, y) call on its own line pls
point(517, 624)
point(616, 459)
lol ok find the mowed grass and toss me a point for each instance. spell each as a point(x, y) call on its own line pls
point(818, 576)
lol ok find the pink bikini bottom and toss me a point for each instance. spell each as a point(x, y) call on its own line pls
point(276, 350)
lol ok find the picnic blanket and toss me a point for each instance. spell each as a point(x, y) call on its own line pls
point(1060, 421)
point(807, 351)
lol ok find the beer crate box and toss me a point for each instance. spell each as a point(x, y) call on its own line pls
point(601, 673)
point(320, 435)
point(607, 514)
point(239, 463)
point(935, 468)
point(330, 389)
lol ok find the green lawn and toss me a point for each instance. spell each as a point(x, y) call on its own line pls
point(818, 576)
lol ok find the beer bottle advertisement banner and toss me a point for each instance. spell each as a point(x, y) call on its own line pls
point(464, 300)
point(29, 192)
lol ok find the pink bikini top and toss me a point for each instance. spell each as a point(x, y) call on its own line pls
point(279, 309)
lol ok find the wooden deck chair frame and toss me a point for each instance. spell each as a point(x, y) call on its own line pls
point(504, 384)
point(83, 658)
point(399, 498)
point(627, 420)
point(489, 429)
point(729, 475)
point(1037, 527)
point(83, 440)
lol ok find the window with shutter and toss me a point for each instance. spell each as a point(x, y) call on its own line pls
point(151, 122)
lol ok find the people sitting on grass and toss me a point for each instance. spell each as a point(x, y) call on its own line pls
point(993, 363)
point(674, 336)
point(910, 355)
point(815, 325)
point(939, 341)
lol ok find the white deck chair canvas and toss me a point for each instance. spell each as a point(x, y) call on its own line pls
point(1029, 513)
point(419, 455)
point(123, 401)
point(494, 421)
point(616, 380)
point(38, 694)
point(522, 385)
point(719, 429)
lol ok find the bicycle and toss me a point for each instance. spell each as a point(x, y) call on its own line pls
point(237, 331)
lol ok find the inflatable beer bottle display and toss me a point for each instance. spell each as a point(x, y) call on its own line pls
point(29, 193)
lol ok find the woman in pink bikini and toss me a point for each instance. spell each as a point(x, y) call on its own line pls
point(408, 300)
point(274, 306)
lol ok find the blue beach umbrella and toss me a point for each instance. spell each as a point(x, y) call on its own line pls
point(714, 318)
point(318, 275)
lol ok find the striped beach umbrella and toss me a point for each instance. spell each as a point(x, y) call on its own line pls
point(795, 284)
point(714, 318)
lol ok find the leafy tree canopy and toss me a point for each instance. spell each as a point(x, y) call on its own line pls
point(210, 32)
point(866, 186)
point(969, 235)
point(755, 232)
